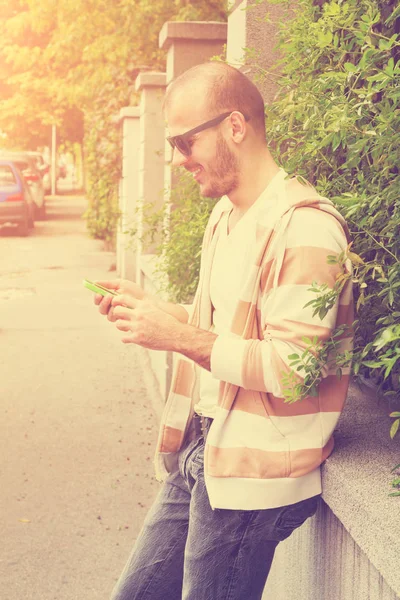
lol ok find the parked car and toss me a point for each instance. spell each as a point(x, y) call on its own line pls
point(16, 201)
point(26, 164)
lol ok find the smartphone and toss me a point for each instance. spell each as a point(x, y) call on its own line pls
point(98, 289)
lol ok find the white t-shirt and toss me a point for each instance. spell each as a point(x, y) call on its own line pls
point(225, 280)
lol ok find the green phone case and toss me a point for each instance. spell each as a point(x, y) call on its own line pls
point(98, 289)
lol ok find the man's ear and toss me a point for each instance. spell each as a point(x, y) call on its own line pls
point(238, 126)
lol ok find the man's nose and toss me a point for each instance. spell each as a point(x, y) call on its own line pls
point(178, 159)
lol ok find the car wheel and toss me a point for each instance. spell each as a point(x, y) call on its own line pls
point(23, 227)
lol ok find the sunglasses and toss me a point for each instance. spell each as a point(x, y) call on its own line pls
point(182, 142)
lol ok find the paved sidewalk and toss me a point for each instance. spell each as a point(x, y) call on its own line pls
point(77, 427)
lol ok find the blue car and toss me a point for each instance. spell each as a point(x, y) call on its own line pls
point(16, 203)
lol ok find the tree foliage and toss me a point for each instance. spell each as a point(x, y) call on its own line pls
point(135, 44)
point(32, 91)
point(73, 63)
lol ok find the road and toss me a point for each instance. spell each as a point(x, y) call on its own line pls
point(77, 427)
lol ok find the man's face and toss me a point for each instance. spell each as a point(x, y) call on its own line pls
point(213, 164)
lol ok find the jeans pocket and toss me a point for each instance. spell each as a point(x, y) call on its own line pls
point(294, 515)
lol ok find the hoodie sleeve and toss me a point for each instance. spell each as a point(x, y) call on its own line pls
point(258, 364)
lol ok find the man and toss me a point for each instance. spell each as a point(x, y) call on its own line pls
point(240, 465)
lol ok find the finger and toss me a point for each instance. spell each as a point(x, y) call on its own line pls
point(122, 325)
point(97, 299)
point(121, 312)
point(111, 316)
point(124, 300)
point(105, 304)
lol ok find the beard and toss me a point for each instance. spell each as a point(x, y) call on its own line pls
point(223, 174)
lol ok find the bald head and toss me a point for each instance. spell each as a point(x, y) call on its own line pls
point(216, 87)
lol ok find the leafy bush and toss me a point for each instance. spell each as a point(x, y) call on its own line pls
point(179, 246)
point(338, 125)
point(102, 148)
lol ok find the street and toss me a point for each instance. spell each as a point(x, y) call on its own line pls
point(77, 424)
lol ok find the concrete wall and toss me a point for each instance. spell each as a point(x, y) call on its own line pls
point(321, 561)
point(255, 26)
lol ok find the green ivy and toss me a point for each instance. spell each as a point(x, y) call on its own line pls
point(336, 122)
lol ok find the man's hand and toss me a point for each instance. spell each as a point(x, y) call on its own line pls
point(134, 291)
point(122, 287)
point(151, 327)
point(144, 323)
point(153, 323)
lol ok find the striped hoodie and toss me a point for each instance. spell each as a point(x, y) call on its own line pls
point(262, 452)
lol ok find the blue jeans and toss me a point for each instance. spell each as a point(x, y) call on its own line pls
point(187, 551)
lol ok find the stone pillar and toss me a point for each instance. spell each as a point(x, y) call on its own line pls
point(127, 245)
point(188, 44)
point(151, 148)
point(151, 192)
point(191, 43)
point(256, 26)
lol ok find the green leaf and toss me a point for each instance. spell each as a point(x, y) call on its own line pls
point(372, 364)
point(394, 428)
point(332, 259)
point(324, 38)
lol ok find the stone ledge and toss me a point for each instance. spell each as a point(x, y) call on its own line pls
point(129, 112)
point(206, 31)
point(356, 481)
point(150, 79)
